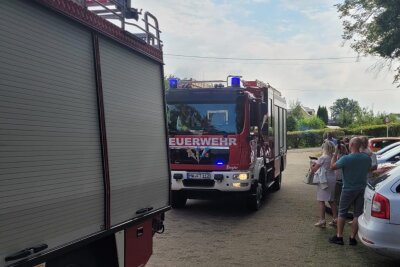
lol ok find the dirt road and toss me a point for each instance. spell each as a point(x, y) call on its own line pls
point(210, 233)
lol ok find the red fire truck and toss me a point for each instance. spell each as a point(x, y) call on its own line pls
point(225, 137)
point(82, 122)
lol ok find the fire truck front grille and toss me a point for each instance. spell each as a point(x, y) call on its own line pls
point(211, 157)
point(198, 182)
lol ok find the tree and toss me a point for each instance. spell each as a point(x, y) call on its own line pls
point(325, 116)
point(311, 122)
point(365, 117)
point(373, 28)
point(322, 113)
point(291, 123)
point(344, 111)
point(319, 114)
point(296, 111)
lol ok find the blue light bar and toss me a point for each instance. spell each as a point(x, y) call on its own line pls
point(220, 162)
point(235, 81)
point(173, 83)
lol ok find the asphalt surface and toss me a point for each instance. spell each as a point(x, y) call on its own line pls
point(281, 233)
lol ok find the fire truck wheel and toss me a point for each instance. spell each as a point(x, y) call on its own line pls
point(263, 183)
point(178, 200)
point(255, 198)
point(277, 184)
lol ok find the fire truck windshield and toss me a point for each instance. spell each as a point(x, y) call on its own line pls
point(204, 118)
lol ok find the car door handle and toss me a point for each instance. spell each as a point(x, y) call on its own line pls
point(26, 252)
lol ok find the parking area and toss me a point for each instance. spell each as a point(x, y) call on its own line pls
point(281, 233)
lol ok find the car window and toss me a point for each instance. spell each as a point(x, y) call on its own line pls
point(395, 158)
point(387, 148)
point(391, 153)
point(373, 182)
point(386, 143)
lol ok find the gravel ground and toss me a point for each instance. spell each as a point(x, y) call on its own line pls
point(281, 233)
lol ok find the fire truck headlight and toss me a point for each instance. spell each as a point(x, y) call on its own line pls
point(241, 176)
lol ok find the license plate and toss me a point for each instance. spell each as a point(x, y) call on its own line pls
point(199, 175)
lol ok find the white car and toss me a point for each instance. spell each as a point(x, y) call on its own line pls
point(379, 225)
point(387, 148)
point(393, 155)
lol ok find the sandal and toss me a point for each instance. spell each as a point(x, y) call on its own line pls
point(321, 224)
point(333, 223)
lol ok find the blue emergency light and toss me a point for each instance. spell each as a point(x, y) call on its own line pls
point(173, 83)
point(235, 81)
point(219, 162)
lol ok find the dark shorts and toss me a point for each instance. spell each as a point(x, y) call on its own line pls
point(347, 198)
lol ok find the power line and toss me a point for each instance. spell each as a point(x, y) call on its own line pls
point(298, 63)
point(350, 90)
point(260, 59)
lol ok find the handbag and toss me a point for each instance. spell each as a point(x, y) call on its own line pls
point(311, 178)
point(322, 178)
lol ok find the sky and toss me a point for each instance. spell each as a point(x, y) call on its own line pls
point(276, 30)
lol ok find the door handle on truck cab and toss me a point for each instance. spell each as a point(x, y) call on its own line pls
point(26, 252)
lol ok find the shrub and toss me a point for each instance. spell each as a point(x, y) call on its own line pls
point(291, 123)
point(310, 123)
point(314, 138)
point(310, 138)
point(375, 130)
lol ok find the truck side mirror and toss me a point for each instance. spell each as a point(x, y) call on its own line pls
point(264, 118)
point(253, 113)
point(264, 108)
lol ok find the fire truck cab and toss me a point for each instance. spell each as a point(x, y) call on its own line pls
point(225, 137)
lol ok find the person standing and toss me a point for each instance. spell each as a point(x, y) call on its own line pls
point(329, 136)
point(364, 149)
point(355, 167)
point(326, 190)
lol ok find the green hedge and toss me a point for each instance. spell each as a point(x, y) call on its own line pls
point(375, 130)
point(310, 138)
point(314, 138)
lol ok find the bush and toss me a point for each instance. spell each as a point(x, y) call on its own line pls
point(375, 130)
point(310, 138)
point(310, 123)
point(314, 138)
point(291, 123)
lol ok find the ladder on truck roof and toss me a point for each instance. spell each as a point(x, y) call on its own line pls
point(191, 83)
point(121, 10)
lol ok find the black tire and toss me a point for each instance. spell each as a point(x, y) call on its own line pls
point(254, 200)
point(276, 186)
point(178, 200)
point(263, 180)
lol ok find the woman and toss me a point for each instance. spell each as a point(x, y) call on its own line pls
point(364, 149)
point(326, 190)
point(341, 150)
